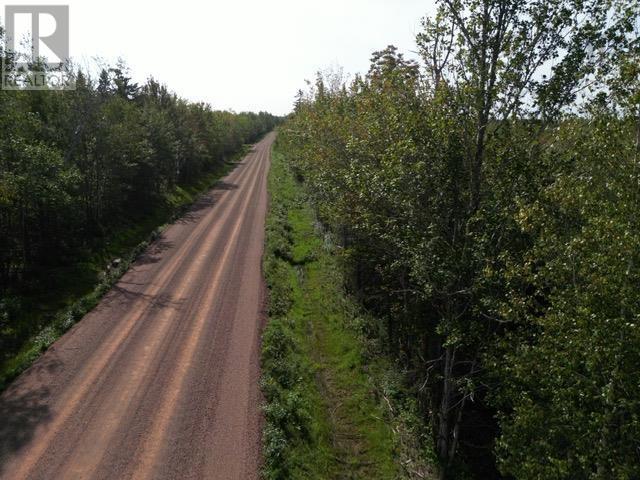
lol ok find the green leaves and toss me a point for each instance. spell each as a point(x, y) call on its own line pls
point(581, 369)
point(488, 210)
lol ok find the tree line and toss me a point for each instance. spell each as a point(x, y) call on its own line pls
point(487, 199)
point(72, 163)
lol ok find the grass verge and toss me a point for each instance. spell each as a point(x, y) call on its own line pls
point(335, 405)
point(71, 292)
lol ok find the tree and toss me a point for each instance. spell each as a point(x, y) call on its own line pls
point(424, 179)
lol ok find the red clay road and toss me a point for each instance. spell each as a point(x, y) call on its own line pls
point(160, 381)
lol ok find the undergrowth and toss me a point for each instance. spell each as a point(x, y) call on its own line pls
point(336, 405)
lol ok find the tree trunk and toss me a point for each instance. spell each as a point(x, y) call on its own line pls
point(443, 443)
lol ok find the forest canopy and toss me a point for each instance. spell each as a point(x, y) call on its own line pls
point(72, 163)
point(487, 200)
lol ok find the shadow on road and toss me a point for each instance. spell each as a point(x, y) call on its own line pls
point(195, 212)
point(154, 253)
point(23, 408)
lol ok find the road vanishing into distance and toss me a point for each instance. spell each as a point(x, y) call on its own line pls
point(161, 379)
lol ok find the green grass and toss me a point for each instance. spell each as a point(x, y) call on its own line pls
point(336, 408)
point(42, 316)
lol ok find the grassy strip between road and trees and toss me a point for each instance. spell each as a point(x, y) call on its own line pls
point(76, 290)
point(335, 404)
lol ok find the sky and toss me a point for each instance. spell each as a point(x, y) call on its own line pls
point(244, 55)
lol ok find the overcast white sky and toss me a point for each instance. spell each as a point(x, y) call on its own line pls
point(240, 54)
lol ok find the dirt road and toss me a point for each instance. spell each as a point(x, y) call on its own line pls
point(161, 379)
